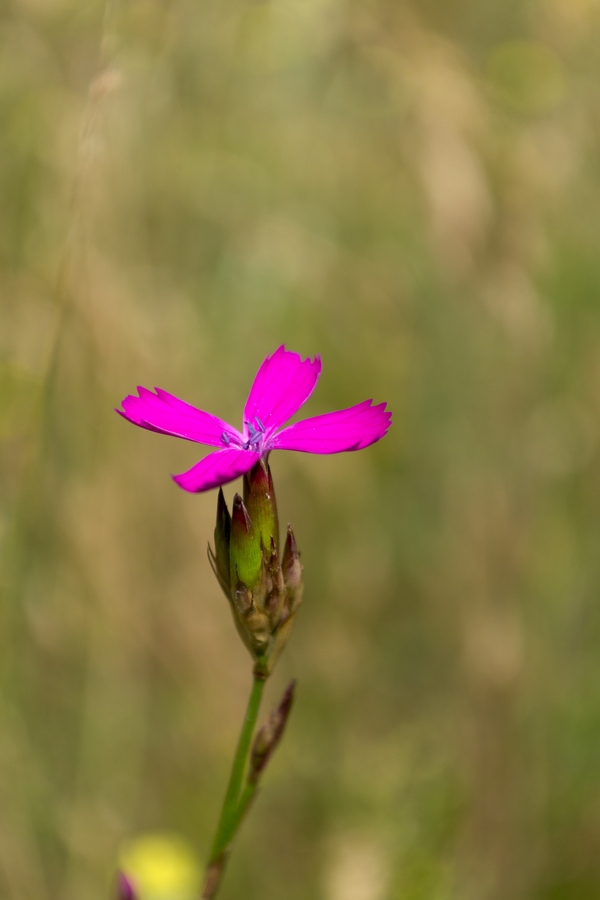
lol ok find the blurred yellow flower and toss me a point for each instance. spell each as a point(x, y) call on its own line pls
point(162, 867)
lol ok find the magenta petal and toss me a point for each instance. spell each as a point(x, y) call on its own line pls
point(335, 432)
point(215, 469)
point(282, 384)
point(167, 414)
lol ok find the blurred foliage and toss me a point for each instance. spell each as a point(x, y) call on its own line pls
point(412, 190)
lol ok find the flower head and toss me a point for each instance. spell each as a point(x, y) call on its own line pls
point(282, 385)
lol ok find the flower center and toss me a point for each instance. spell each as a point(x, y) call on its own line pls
point(255, 435)
point(255, 430)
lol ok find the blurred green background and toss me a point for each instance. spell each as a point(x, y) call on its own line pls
point(413, 191)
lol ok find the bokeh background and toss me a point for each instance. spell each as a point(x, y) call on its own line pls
point(413, 191)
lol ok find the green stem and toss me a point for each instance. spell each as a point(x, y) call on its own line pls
point(229, 816)
point(240, 811)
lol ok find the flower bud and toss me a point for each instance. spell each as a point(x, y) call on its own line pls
point(275, 589)
point(219, 560)
point(245, 557)
point(259, 500)
point(292, 572)
point(270, 734)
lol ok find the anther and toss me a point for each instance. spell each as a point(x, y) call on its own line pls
point(225, 438)
point(254, 436)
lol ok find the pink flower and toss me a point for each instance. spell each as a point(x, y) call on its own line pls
point(282, 385)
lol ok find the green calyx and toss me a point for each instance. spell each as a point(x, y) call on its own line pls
point(263, 592)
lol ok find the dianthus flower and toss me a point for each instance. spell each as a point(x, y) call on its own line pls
point(282, 385)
